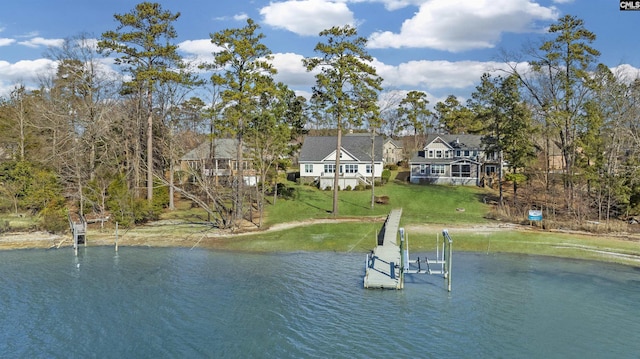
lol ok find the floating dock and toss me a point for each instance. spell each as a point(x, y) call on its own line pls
point(384, 267)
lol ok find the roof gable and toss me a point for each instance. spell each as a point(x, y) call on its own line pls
point(223, 148)
point(460, 141)
point(357, 147)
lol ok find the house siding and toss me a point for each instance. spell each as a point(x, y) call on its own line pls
point(451, 160)
point(318, 152)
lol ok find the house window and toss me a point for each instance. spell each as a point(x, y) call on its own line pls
point(350, 168)
point(329, 168)
point(491, 156)
point(423, 169)
point(437, 169)
point(308, 168)
point(458, 152)
point(466, 153)
point(438, 154)
point(430, 153)
point(447, 154)
point(461, 170)
point(368, 169)
point(489, 170)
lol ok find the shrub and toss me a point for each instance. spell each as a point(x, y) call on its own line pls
point(386, 175)
point(53, 217)
point(348, 188)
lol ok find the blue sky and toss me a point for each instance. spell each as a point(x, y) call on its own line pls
point(441, 47)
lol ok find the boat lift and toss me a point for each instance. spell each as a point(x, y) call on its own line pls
point(440, 265)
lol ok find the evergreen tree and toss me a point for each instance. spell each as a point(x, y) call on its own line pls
point(346, 85)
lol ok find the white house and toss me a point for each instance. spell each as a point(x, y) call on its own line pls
point(318, 156)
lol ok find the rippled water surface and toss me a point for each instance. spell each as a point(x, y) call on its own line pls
point(181, 303)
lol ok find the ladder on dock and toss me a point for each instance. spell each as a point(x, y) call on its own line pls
point(78, 227)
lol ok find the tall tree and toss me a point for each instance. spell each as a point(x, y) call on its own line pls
point(414, 114)
point(496, 102)
point(455, 118)
point(76, 105)
point(241, 65)
point(269, 134)
point(559, 84)
point(143, 42)
point(346, 84)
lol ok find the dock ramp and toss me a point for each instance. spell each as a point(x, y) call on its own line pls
point(384, 267)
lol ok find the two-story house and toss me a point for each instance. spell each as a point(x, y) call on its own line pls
point(453, 159)
point(318, 156)
point(217, 158)
point(392, 151)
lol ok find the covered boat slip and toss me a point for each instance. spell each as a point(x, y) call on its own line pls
point(383, 267)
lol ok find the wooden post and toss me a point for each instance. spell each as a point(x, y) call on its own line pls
point(449, 250)
point(116, 236)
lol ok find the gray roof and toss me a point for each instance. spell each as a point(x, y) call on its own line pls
point(316, 148)
point(224, 148)
point(394, 142)
point(463, 142)
point(457, 142)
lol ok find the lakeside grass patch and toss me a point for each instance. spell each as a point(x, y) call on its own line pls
point(420, 204)
point(336, 237)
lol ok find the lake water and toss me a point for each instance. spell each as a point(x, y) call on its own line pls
point(181, 303)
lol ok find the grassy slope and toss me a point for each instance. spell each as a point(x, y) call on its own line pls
point(433, 206)
point(420, 204)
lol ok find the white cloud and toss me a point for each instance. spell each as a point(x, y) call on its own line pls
point(23, 72)
point(6, 42)
point(40, 41)
point(626, 73)
point(435, 75)
point(307, 17)
point(291, 71)
point(200, 48)
point(240, 17)
point(458, 25)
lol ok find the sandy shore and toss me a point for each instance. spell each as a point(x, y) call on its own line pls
point(180, 234)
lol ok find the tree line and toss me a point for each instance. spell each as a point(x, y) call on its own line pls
point(92, 139)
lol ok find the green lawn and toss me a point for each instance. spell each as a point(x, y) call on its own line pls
point(420, 204)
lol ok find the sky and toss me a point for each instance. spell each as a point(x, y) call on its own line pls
point(441, 47)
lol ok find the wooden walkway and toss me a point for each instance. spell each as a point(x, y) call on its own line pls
point(383, 265)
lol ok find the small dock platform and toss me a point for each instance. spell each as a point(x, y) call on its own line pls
point(384, 267)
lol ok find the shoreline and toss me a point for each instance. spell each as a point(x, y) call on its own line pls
point(167, 234)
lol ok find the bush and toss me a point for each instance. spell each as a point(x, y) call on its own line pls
point(348, 188)
point(53, 217)
point(392, 167)
point(386, 175)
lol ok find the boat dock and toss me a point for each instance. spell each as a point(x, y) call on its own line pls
point(388, 262)
point(384, 267)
